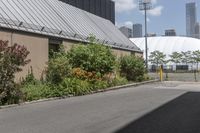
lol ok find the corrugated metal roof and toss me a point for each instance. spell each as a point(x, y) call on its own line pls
point(55, 18)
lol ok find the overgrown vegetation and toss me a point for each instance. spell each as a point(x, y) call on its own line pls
point(132, 68)
point(58, 68)
point(12, 59)
point(92, 58)
point(80, 71)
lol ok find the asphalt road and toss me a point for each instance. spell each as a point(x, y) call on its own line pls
point(169, 107)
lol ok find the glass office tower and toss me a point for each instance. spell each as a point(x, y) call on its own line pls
point(102, 8)
point(191, 19)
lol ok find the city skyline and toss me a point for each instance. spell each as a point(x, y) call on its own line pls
point(164, 15)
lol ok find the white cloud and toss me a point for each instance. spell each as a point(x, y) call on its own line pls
point(154, 1)
point(117, 24)
point(128, 5)
point(157, 11)
point(128, 24)
point(125, 5)
point(148, 20)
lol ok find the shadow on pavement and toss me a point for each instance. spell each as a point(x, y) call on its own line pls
point(181, 115)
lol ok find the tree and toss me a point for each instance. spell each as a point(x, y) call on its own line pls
point(196, 57)
point(157, 58)
point(186, 57)
point(132, 68)
point(92, 57)
point(12, 59)
point(58, 68)
point(176, 57)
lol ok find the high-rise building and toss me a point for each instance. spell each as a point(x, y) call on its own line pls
point(137, 30)
point(191, 19)
point(126, 31)
point(170, 32)
point(197, 30)
point(102, 8)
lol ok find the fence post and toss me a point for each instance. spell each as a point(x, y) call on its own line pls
point(161, 73)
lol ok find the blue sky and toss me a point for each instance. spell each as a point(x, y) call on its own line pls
point(166, 14)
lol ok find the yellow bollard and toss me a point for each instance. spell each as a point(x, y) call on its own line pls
point(161, 73)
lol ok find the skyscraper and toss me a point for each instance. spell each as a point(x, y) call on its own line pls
point(102, 8)
point(191, 19)
point(197, 30)
point(137, 30)
point(126, 31)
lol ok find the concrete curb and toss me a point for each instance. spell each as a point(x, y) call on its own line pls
point(126, 86)
point(64, 97)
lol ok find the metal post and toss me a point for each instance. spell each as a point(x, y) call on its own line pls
point(161, 73)
point(145, 5)
point(146, 46)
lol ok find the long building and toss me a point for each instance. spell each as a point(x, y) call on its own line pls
point(102, 8)
point(170, 32)
point(168, 45)
point(41, 25)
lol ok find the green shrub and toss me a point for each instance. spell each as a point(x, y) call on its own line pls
point(132, 68)
point(12, 59)
point(33, 91)
point(58, 69)
point(119, 81)
point(41, 91)
point(74, 86)
point(92, 58)
point(29, 79)
point(100, 84)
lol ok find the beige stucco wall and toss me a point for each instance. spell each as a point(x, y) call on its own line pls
point(119, 53)
point(5, 36)
point(138, 54)
point(69, 44)
point(38, 47)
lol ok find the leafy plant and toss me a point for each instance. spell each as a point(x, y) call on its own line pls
point(157, 58)
point(12, 59)
point(186, 57)
point(40, 91)
point(196, 57)
point(92, 57)
point(75, 87)
point(58, 68)
point(30, 78)
point(99, 85)
point(132, 68)
point(176, 57)
point(119, 81)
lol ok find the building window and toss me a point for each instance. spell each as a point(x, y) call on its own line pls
point(54, 46)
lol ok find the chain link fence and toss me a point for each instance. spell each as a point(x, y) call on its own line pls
point(177, 76)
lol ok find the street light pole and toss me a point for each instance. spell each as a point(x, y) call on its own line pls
point(145, 5)
point(146, 45)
